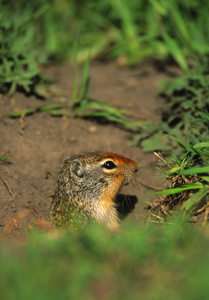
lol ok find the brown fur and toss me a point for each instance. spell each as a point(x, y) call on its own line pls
point(86, 189)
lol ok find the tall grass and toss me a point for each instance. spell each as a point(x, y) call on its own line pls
point(43, 31)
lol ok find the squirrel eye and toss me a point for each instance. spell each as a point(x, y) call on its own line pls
point(109, 165)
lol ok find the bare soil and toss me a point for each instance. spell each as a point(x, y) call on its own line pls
point(38, 143)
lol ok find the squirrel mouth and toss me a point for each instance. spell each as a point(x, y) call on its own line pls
point(126, 183)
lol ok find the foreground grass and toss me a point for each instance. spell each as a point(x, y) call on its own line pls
point(167, 262)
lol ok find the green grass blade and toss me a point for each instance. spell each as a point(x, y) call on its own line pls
point(5, 157)
point(75, 73)
point(103, 40)
point(85, 80)
point(185, 187)
point(201, 145)
point(17, 114)
point(203, 113)
point(59, 112)
point(110, 117)
point(48, 107)
point(173, 170)
point(28, 111)
point(176, 52)
point(50, 29)
point(205, 178)
point(195, 199)
point(193, 171)
point(184, 145)
point(189, 148)
point(128, 26)
point(180, 25)
point(93, 104)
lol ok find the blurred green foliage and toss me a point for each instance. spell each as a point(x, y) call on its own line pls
point(167, 262)
point(18, 56)
point(38, 31)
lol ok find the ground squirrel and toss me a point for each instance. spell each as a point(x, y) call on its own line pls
point(86, 188)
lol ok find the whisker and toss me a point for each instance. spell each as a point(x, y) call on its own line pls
point(147, 185)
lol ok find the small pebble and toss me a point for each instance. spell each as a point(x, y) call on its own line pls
point(92, 129)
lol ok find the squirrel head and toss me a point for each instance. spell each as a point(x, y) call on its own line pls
point(90, 181)
point(101, 172)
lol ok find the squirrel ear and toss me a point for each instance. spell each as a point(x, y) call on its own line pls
point(77, 169)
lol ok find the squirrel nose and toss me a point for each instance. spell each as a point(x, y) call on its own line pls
point(136, 169)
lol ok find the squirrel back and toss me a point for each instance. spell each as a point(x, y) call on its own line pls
point(86, 188)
